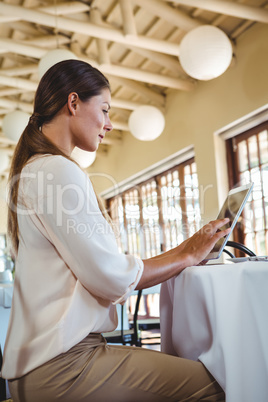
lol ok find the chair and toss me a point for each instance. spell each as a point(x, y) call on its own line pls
point(131, 332)
point(238, 246)
point(148, 327)
point(123, 334)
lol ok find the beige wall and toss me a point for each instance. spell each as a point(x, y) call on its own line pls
point(193, 117)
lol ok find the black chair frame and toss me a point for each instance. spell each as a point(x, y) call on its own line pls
point(124, 336)
point(133, 335)
point(238, 246)
point(137, 325)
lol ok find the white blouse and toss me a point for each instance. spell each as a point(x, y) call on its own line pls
point(69, 272)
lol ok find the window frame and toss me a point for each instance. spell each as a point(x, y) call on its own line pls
point(233, 173)
point(157, 179)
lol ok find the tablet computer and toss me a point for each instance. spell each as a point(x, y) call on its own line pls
point(232, 208)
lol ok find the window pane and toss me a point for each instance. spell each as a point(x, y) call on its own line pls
point(259, 216)
point(150, 214)
point(263, 141)
point(132, 216)
point(265, 179)
point(250, 240)
point(256, 178)
point(248, 217)
point(242, 156)
point(265, 201)
point(260, 243)
point(253, 151)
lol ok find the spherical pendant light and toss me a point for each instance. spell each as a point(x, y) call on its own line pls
point(146, 123)
point(4, 160)
point(83, 158)
point(52, 57)
point(14, 124)
point(205, 52)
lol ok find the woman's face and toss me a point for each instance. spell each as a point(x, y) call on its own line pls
point(91, 121)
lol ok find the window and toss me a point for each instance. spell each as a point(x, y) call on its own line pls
point(155, 216)
point(248, 157)
point(158, 214)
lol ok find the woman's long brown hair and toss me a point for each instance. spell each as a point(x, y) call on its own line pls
point(51, 95)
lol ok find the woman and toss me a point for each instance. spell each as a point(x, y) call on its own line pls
point(69, 280)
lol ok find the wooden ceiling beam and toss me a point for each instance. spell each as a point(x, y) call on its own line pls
point(70, 7)
point(19, 83)
point(12, 105)
point(124, 104)
point(11, 91)
point(228, 8)
point(89, 29)
point(139, 75)
point(21, 70)
point(148, 77)
point(102, 44)
point(120, 125)
point(131, 84)
point(128, 17)
point(164, 60)
point(49, 41)
point(172, 15)
point(150, 94)
point(10, 45)
point(106, 68)
point(169, 62)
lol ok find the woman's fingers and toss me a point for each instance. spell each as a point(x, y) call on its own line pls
point(214, 226)
point(201, 243)
point(217, 229)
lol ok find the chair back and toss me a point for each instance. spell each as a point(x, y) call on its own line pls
point(240, 247)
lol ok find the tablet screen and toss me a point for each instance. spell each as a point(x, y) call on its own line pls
point(232, 208)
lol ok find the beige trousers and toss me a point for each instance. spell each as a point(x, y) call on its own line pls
point(97, 372)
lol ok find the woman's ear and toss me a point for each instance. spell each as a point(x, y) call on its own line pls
point(72, 102)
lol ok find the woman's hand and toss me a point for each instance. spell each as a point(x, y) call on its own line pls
point(198, 246)
point(191, 252)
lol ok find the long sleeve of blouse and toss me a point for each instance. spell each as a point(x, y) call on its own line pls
point(69, 272)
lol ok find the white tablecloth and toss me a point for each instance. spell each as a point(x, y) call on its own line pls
point(218, 314)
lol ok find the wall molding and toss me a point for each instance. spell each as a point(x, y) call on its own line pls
point(243, 124)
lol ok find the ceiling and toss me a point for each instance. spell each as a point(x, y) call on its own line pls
point(135, 43)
